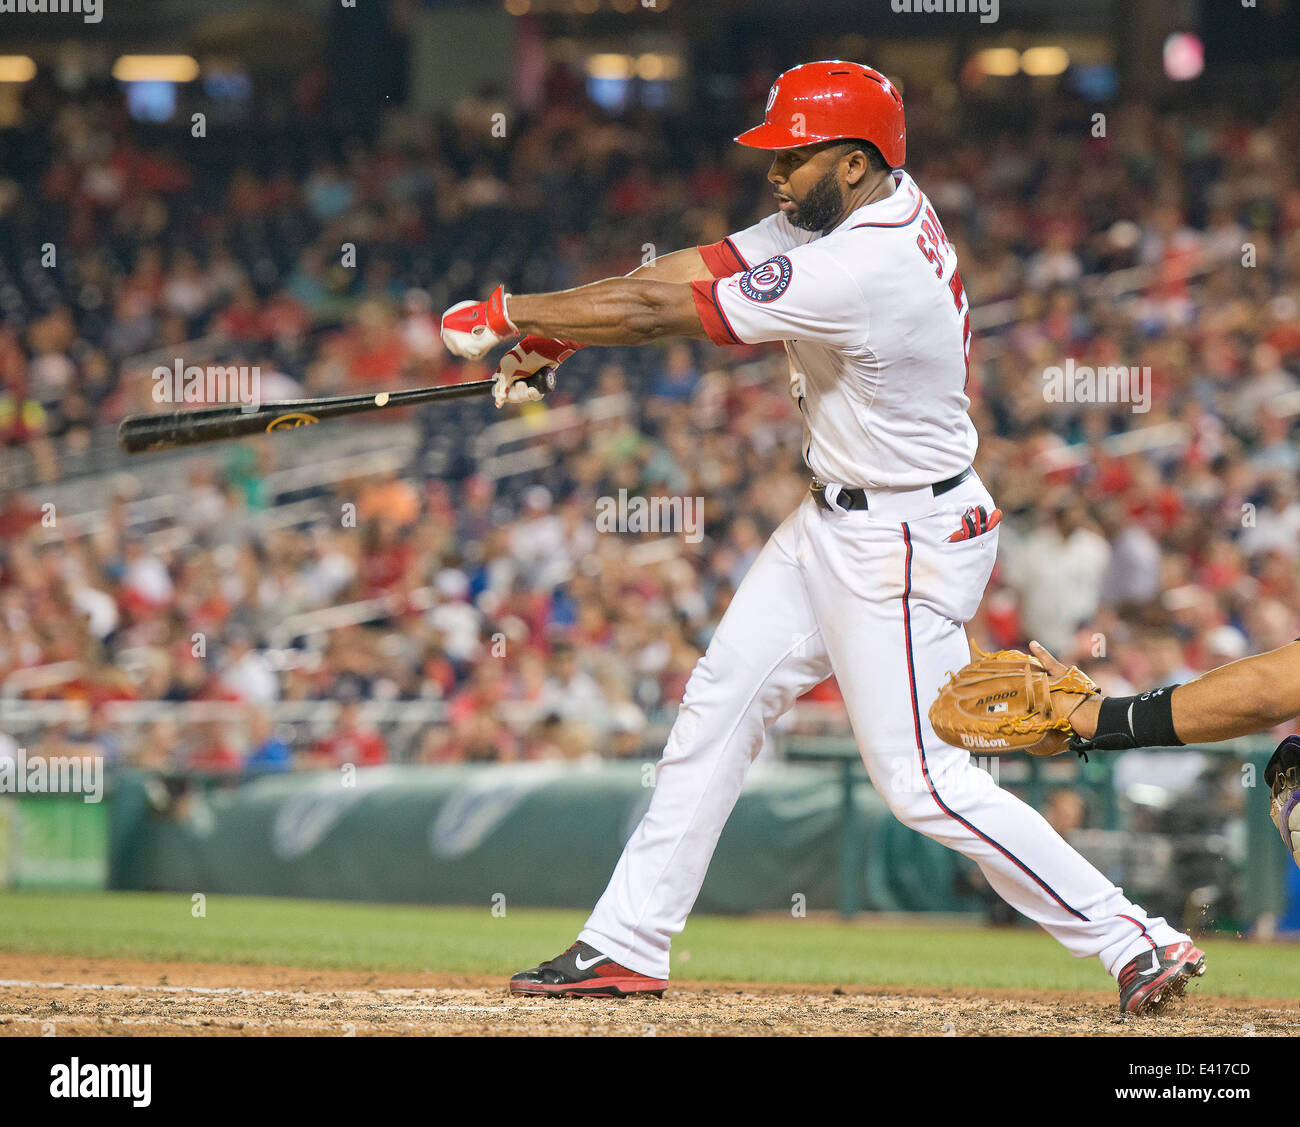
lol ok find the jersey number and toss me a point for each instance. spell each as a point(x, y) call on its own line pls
point(963, 309)
point(933, 243)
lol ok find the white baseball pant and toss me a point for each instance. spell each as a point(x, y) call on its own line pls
point(879, 598)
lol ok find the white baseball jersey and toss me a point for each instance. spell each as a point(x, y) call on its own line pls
point(877, 327)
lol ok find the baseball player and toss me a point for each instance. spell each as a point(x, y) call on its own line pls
point(871, 578)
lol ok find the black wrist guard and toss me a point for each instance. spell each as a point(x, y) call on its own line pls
point(1128, 722)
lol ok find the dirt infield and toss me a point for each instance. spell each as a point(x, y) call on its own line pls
point(65, 996)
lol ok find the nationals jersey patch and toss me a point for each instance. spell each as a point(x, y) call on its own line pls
point(768, 280)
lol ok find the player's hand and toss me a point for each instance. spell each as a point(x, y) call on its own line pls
point(1084, 718)
point(529, 356)
point(1033, 711)
point(472, 329)
point(1054, 667)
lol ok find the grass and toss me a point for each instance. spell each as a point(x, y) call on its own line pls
point(326, 934)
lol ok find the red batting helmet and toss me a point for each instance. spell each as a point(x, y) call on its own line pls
point(832, 101)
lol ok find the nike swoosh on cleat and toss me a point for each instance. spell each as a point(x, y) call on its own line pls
point(584, 964)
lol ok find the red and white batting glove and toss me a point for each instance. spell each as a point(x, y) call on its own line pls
point(530, 355)
point(472, 329)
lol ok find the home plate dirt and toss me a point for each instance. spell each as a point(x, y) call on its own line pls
point(67, 996)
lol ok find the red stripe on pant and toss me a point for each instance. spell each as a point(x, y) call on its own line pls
point(920, 745)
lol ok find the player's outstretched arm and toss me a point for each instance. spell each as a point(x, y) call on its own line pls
point(1246, 696)
point(616, 311)
point(655, 300)
point(537, 350)
point(680, 266)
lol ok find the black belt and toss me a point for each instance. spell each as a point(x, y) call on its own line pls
point(851, 499)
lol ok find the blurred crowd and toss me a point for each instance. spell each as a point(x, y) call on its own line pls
point(1147, 545)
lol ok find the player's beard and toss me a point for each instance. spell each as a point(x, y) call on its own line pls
point(821, 206)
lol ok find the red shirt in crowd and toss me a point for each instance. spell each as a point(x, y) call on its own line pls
point(361, 746)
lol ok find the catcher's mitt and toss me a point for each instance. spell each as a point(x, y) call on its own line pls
point(1282, 777)
point(1007, 701)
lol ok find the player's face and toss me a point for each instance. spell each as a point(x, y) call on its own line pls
point(807, 186)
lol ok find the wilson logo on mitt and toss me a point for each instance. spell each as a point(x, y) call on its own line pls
point(1007, 701)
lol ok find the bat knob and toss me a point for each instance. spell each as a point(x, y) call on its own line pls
point(542, 380)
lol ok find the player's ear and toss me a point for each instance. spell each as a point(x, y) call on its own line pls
point(858, 167)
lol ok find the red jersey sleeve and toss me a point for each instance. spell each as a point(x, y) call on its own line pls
point(722, 258)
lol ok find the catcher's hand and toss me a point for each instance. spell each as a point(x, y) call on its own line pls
point(1282, 777)
point(1009, 701)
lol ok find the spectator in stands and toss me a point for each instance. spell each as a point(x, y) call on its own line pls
point(1059, 568)
point(245, 671)
point(571, 693)
point(353, 741)
point(268, 752)
point(390, 498)
point(216, 753)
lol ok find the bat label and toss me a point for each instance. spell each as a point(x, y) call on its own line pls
point(288, 422)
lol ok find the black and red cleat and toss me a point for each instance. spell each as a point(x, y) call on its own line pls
point(583, 972)
point(1150, 980)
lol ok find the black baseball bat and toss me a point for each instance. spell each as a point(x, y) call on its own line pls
point(140, 433)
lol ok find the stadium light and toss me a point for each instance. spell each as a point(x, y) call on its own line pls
point(610, 66)
point(1001, 62)
point(1040, 61)
point(155, 68)
point(16, 68)
point(657, 68)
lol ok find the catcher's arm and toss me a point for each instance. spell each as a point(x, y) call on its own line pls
point(1234, 700)
point(1245, 696)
